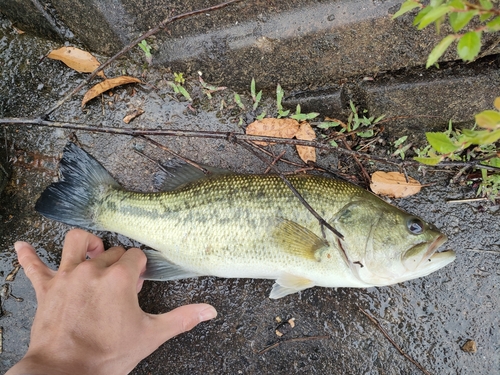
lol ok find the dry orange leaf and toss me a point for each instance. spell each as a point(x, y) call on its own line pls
point(285, 128)
point(273, 127)
point(394, 184)
point(106, 85)
point(135, 113)
point(306, 133)
point(76, 59)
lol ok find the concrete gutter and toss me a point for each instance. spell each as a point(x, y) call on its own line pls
point(300, 43)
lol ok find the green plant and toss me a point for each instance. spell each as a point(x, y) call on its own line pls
point(279, 97)
point(355, 123)
point(146, 48)
point(303, 116)
point(256, 97)
point(469, 144)
point(179, 80)
point(400, 147)
point(460, 13)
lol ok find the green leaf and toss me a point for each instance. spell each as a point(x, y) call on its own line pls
point(366, 134)
point(305, 116)
point(483, 17)
point(406, 7)
point(488, 119)
point(494, 25)
point(184, 93)
point(400, 140)
point(469, 45)
point(438, 51)
point(328, 125)
point(421, 15)
point(252, 88)
point(458, 20)
point(334, 144)
point(434, 15)
point(486, 4)
point(440, 142)
point(428, 161)
point(457, 4)
point(279, 97)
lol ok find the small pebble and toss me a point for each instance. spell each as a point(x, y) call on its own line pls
point(470, 346)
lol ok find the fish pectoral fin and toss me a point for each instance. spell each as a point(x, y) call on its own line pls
point(159, 268)
point(288, 284)
point(298, 240)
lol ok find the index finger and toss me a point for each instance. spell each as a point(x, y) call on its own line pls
point(76, 245)
point(134, 260)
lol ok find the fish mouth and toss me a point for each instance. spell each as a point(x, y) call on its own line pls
point(431, 260)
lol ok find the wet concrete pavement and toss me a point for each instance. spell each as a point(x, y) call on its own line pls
point(430, 318)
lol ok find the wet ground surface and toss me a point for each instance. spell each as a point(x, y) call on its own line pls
point(430, 318)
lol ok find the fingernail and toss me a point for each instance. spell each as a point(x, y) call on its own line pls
point(19, 244)
point(207, 314)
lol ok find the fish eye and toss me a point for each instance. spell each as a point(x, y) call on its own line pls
point(415, 225)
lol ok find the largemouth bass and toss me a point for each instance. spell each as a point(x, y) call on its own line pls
point(250, 226)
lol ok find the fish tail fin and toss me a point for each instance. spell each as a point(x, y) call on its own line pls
point(82, 183)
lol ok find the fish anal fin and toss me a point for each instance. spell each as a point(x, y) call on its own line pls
point(288, 284)
point(295, 239)
point(158, 268)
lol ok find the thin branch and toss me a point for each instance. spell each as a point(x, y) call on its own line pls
point(235, 137)
point(365, 174)
point(297, 339)
point(131, 45)
point(322, 222)
point(398, 348)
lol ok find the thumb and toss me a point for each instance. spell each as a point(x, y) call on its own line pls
point(181, 319)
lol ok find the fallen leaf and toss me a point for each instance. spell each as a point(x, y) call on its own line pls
point(273, 127)
point(306, 133)
point(394, 184)
point(135, 113)
point(75, 58)
point(106, 85)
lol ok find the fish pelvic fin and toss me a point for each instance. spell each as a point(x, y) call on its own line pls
point(82, 182)
point(288, 284)
point(295, 239)
point(159, 268)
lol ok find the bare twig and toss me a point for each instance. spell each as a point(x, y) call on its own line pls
point(297, 339)
point(131, 45)
point(323, 223)
point(466, 200)
point(398, 348)
point(275, 160)
point(365, 174)
point(233, 137)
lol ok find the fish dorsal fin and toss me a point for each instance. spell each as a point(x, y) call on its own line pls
point(288, 284)
point(158, 268)
point(298, 240)
point(176, 174)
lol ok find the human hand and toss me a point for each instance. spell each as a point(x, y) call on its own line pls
point(88, 319)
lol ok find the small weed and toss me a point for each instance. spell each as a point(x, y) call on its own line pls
point(303, 116)
point(178, 88)
point(146, 48)
point(256, 97)
point(237, 100)
point(279, 97)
